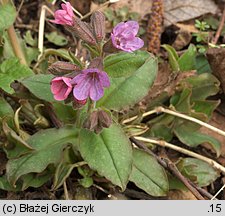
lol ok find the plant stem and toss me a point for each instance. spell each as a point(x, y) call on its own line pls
point(180, 115)
point(183, 151)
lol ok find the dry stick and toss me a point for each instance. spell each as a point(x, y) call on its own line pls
point(180, 115)
point(167, 164)
point(65, 191)
point(220, 28)
point(218, 192)
point(14, 41)
point(183, 151)
point(16, 46)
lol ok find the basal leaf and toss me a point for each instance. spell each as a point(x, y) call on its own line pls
point(193, 139)
point(109, 153)
point(126, 91)
point(204, 85)
point(124, 64)
point(56, 39)
point(198, 171)
point(11, 70)
point(148, 175)
point(173, 57)
point(48, 145)
point(5, 108)
point(39, 85)
point(188, 60)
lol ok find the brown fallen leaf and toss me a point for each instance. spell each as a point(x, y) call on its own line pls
point(180, 195)
point(216, 58)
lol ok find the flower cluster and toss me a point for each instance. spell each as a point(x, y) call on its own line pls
point(87, 83)
point(78, 85)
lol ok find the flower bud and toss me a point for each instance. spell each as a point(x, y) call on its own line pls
point(92, 121)
point(61, 68)
point(83, 31)
point(104, 119)
point(98, 25)
point(97, 120)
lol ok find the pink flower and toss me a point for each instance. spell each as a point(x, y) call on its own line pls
point(90, 83)
point(65, 16)
point(61, 88)
point(124, 36)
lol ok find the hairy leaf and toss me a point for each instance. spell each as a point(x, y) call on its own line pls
point(109, 153)
point(11, 70)
point(148, 175)
point(198, 171)
point(126, 91)
point(48, 145)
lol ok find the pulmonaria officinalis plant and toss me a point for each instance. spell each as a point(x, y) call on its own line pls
point(109, 82)
point(85, 98)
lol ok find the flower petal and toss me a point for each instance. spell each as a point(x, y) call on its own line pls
point(132, 45)
point(119, 28)
point(104, 79)
point(82, 89)
point(96, 90)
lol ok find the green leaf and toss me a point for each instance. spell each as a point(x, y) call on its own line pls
point(5, 108)
point(5, 185)
point(66, 113)
point(148, 175)
point(29, 39)
point(173, 57)
point(202, 64)
point(35, 180)
point(187, 60)
point(11, 70)
point(198, 171)
point(126, 91)
point(109, 153)
point(193, 139)
point(124, 64)
point(56, 39)
point(204, 85)
point(7, 17)
point(65, 167)
point(39, 85)
point(48, 145)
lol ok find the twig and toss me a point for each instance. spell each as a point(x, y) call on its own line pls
point(44, 8)
point(220, 28)
point(167, 164)
point(218, 192)
point(183, 151)
point(180, 115)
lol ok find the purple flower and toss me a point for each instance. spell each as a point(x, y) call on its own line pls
point(65, 16)
point(124, 36)
point(90, 83)
point(61, 88)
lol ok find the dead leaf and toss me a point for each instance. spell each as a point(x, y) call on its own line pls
point(182, 10)
point(180, 195)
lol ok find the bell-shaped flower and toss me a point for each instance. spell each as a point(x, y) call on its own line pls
point(64, 16)
point(124, 36)
point(90, 83)
point(61, 88)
